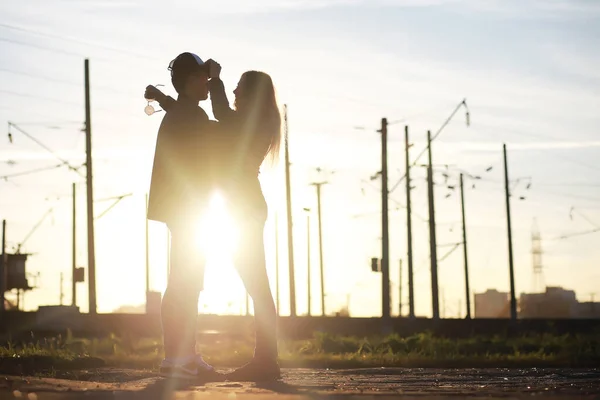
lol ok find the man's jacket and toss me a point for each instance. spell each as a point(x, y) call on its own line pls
point(180, 183)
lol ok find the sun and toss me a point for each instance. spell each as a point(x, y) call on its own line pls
point(217, 238)
point(217, 234)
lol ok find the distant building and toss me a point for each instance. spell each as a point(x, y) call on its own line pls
point(588, 310)
point(555, 302)
point(492, 304)
point(16, 280)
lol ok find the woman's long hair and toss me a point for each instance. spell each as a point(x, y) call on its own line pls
point(260, 105)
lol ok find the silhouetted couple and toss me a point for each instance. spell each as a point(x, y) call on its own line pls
point(194, 157)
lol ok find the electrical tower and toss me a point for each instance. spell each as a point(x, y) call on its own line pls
point(536, 253)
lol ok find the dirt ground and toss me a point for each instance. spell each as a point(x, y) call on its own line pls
point(315, 383)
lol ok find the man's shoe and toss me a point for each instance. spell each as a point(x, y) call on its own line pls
point(193, 367)
point(256, 371)
point(207, 372)
point(179, 368)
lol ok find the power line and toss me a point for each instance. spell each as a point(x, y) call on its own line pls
point(575, 234)
point(64, 162)
point(397, 121)
point(529, 185)
point(47, 78)
point(14, 108)
point(580, 184)
point(69, 39)
point(455, 246)
point(399, 204)
point(463, 103)
point(34, 96)
point(116, 200)
point(48, 124)
point(573, 209)
point(518, 132)
point(40, 47)
point(31, 171)
point(537, 135)
point(50, 35)
point(572, 196)
point(66, 82)
point(594, 167)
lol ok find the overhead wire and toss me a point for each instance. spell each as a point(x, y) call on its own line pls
point(63, 81)
point(47, 78)
point(567, 236)
point(463, 103)
point(48, 149)
point(40, 47)
point(78, 41)
point(35, 96)
point(31, 171)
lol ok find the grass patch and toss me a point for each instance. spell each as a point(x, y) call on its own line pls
point(47, 356)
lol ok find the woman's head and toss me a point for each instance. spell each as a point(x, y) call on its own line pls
point(255, 96)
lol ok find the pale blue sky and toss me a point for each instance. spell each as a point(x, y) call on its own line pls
point(529, 72)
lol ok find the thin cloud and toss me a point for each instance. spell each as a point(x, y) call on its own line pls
point(537, 9)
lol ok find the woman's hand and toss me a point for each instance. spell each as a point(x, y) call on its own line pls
point(152, 93)
point(214, 68)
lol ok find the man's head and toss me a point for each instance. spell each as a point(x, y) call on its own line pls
point(189, 76)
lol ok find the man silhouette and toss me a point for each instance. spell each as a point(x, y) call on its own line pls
point(179, 191)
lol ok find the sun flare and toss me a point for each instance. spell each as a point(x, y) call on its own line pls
point(217, 234)
point(217, 238)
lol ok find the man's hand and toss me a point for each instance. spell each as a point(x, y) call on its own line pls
point(214, 68)
point(152, 93)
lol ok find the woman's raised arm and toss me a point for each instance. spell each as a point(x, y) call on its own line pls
point(218, 98)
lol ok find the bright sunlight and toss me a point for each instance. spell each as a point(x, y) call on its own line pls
point(217, 237)
point(217, 234)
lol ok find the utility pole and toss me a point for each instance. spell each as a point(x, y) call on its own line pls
point(432, 236)
point(400, 288)
point(3, 266)
point(62, 295)
point(411, 288)
point(90, 194)
point(74, 250)
point(277, 262)
point(318, 185)
point(147, 252)
point(308, 259)
point(385, 250)
point(288, 191)
point(464, 234)
point(513, 298)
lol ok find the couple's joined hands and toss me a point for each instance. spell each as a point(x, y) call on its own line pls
point(153, 93)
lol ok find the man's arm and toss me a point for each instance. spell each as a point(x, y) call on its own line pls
point(166, 102)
